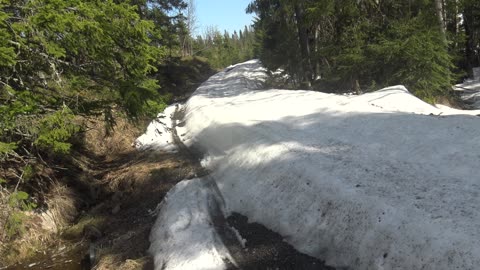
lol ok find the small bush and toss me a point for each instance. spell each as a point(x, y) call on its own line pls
point(19, 202)
point(154, 107)
point(55, 130)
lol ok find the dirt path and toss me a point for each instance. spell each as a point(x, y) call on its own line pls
point(265, 249)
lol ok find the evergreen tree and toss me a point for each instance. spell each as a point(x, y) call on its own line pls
point(276, 34)
point(63, 58)
point(471, 25)
point(224, 50)
point(359, 44)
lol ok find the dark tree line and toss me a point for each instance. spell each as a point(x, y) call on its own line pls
point(364, 44)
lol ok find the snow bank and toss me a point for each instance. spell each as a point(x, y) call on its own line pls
point(159, 132)
point(183, 236)
point(377, 181)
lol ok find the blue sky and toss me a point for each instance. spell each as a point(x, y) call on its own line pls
point(224, 14)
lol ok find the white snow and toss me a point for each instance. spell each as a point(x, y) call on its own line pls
point(183, 236)
point(377, 181)
point(240, 239)
point(159, 132)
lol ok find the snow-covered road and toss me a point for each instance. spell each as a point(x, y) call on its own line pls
point(377, 181)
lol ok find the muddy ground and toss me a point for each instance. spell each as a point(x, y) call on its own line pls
point(265, 249)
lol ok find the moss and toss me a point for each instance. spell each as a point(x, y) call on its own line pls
point(78, 230)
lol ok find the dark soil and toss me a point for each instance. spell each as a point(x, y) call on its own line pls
point(265, 249)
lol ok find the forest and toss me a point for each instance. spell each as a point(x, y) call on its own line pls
point(363, 45)
point(64, 63)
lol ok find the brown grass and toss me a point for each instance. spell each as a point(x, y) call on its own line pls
point(63, 205)
point(450, 101)
point(117, 186)
point(40, 227)
point(62, 198)
point(4, 213)
point(110, 146)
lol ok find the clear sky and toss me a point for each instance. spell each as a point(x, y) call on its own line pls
point(224, 14)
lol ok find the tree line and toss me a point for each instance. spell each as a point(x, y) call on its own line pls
point(365, 44)
point(225, 49)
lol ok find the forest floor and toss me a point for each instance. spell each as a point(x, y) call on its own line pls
point(116, 213)
point(100, 201)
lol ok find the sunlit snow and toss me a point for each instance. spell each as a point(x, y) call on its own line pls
point(377, 181)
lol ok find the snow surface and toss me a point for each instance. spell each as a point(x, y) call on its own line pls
point(377, 181)
point(159, 132)
point(183, 236)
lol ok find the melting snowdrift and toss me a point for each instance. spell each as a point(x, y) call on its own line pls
point(159, 132)
point(183, 236)
point(377, 181)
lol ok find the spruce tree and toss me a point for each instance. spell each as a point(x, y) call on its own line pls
point(63, 58)
point(347, 45)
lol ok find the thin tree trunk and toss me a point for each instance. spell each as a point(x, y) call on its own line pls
point(457, 21)
point(469, 51)
point(304, 45)
point(441, 21)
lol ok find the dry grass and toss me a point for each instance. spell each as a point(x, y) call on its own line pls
point(450, 101)
point(77, 230)
point(40, 226)
point(136, 171)
point(4, 213)
point(113, 262)
point(63, 204)
point(110, 146)
point(120, 187)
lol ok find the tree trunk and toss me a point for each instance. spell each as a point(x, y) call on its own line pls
point(469, 44)
point(304, 45)
point(441, 21)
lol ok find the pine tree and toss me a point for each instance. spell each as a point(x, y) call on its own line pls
point(224, 50)
point(471, 16)
point(352, 45)
point(64, 58)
